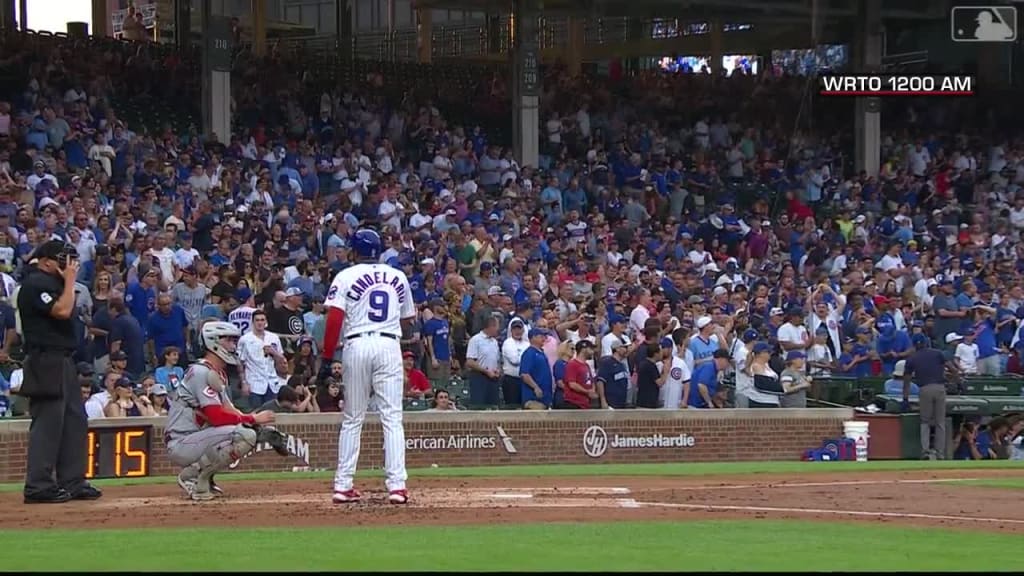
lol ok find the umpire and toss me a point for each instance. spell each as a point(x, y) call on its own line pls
point(57, 436)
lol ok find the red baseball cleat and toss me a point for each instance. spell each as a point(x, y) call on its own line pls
point(398, 496)
point(351, 495)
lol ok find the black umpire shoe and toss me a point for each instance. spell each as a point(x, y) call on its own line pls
point(87, 492)
point(52, 496)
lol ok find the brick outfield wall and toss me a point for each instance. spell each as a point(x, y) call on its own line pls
point(509, 438)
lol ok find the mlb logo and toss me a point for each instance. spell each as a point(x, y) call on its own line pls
point(983, 23)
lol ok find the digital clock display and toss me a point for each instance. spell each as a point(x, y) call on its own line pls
point(121, 452)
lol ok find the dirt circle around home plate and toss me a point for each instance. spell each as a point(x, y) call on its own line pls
point(922, 498)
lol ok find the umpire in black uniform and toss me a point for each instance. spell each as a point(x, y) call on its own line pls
point(58, 434)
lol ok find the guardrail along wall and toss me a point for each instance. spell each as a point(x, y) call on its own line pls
point(509, 438)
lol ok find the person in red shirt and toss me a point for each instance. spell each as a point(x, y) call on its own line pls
point(579, 379)
point(416, 384)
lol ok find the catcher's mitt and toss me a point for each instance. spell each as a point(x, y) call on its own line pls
point(275, 438)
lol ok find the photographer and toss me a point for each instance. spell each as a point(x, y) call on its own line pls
point(46, 303)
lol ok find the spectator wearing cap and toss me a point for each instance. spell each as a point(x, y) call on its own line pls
point(704, 344)
point(512, 350)
point(984, 331)
point(894, 385)
point(127, 339)
point(616, 336)
point(190, 295)
point(537, 391)
point(793, 334)
point(863, 353)
point(766, 387)
point(965, 352)
point(437, 341)
point(286, 321)
point(483, 361)
point(613, 375)
point(580, 392)
point(123, 403)
point(167, 327)
point(140, 295)
point(892, 344)
point(820, 358)
point(794, 381)
point(415, 385)
point(704, 380)
point(927, 368)
point(948, 311)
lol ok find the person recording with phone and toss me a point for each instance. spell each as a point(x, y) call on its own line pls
point(46, 303)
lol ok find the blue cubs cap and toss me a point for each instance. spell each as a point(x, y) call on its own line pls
point(762, 347)
point(538, 332)
point(749, 335)
point(667, 343)
point(243, 294)
point(615, 318)
point(795, 355)
point(919, 339)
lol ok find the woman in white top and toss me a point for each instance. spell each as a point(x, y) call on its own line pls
point(767, 388)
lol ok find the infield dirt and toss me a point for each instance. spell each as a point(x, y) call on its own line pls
point(911, 498)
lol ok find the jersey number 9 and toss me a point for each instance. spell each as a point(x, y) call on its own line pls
point(379, 300)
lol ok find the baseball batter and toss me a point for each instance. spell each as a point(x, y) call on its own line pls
point(366, 306)
point(205, 432)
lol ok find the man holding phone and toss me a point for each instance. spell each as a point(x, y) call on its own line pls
point(45, 304)
point(262, 362)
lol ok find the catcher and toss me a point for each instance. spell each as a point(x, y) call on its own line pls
point(205, 433)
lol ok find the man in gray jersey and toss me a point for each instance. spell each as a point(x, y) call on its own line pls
point(205, 433)
point(191, 296)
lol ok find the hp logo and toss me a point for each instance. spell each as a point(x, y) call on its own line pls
point(595, 442)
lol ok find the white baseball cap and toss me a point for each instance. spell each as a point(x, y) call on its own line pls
point(703, 321)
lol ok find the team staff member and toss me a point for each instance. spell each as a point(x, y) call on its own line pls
point(57, 437)
point(926, 367)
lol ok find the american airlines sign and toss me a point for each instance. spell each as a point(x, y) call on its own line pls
point(462, 442)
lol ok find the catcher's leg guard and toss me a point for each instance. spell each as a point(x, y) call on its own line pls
point(219, 457)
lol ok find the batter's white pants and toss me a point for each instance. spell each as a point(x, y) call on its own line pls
point(372, 363)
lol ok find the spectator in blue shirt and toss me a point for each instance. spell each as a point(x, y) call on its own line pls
point(140, 296)
point(168, 326)
point(437, 337)
point(704, 380)
point(535, 371)
point(989, 361)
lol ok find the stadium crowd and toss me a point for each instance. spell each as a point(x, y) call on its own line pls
point(677, 235)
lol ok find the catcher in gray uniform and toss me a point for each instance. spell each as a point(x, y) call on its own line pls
point(205, 433)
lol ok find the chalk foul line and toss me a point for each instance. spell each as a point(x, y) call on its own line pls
point(712, 507)
point(819, 484)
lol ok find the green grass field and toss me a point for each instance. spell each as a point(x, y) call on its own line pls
point(775, 545)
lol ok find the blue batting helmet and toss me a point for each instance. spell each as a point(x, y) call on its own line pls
point(367, 244)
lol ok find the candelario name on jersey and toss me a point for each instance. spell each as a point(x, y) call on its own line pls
point(366, 282)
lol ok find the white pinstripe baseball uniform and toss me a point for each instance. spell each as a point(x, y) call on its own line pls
point(375, 298)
